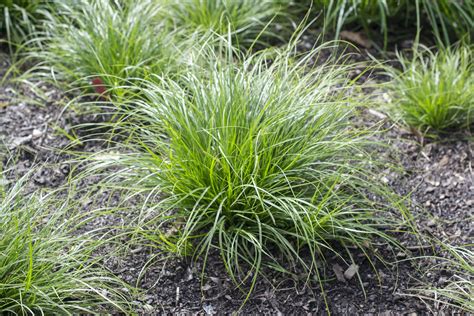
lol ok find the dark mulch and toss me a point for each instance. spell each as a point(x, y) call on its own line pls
point(438, 178)
point(36, 130)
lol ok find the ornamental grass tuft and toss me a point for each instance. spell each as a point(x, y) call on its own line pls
point(105, 44)
point(447, 20)
point(434, 91)
point(258, 161)
point(245, 21)
point(18, 19)
point(47, 266)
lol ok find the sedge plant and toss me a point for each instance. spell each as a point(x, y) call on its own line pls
point(246, 21)
point(257, 161)
point(447, 20)
point(456, 287)
point(18, 19)
point(434, 91)
point(46, 263)
point(107, 42)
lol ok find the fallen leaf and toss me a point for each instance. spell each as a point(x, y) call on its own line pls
point(339, 273)
point(356, 38)
point(444, 161)
point(100, 88)
point(36, 134)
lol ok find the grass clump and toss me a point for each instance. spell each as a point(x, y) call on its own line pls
point(456, 287)
point(448, 20)
point(435, 90)
point(18, 18)
point(108, 42)
point(46, 267)
point(259, 162)
point(246, 21)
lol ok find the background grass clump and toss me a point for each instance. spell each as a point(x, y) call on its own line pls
point(246, 21)
point(46, 265)
point(258, 162)
point(434, 91)
point(456, 288)
point(107, 42)
point(447, 20)
point(18, 18)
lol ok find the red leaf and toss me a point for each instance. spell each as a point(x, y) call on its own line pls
point(99, 86)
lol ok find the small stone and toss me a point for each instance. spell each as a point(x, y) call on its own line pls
point(147, 308)
point(36, 134)
point(401, 254)
point(189, 276)
point(136, 250)
point(215, 280)
point(430, 189)
point(209, 309)
point(351, 271)
point(431, 223)
point(206, 287)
